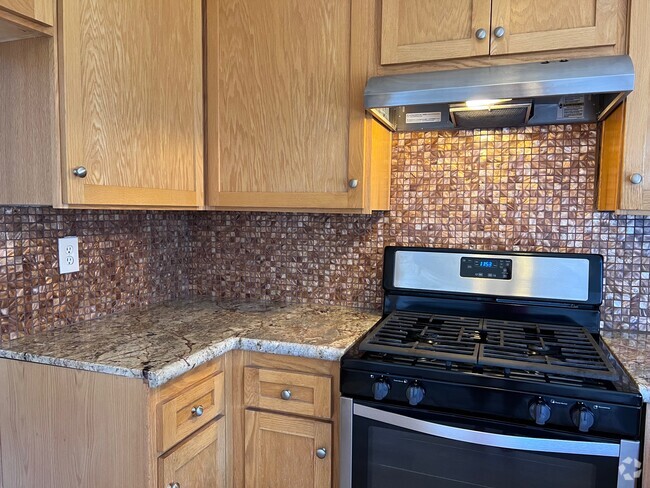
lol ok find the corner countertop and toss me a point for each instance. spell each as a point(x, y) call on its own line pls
point(162, 342)
point(632, 350)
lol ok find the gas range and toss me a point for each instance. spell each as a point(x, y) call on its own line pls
point(507, 339)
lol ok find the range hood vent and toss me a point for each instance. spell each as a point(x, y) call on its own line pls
point(558, 92)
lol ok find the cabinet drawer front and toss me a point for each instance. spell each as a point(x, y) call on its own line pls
point(284, 391)
point(199, 461)
point(189, 411)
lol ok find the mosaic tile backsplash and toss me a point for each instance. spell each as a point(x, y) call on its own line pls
point(524, 189)
point(128, 259)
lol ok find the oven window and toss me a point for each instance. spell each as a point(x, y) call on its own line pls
point(385, 456)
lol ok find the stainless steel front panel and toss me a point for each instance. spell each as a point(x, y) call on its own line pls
point(345, 459)
point(535, 277)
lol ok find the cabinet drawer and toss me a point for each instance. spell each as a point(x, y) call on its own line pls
point(189, 410)
point(284, 391)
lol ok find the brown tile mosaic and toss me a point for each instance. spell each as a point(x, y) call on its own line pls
point(127, 259)
point(525, 189)
point(529, 189)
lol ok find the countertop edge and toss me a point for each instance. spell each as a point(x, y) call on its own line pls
point(155, 379)
point(72, 364)
point(644, 388)
point(178, 368)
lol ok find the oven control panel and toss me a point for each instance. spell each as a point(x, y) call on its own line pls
point(482, 267)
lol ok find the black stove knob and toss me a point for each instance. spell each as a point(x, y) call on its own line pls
point(540, 411)
point(582, 417)
point(380, 389)
point(414, 394)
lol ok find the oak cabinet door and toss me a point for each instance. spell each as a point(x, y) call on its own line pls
point(533, 25)
point(285, 104)
point(624, 183)
point(39, 10)
point(198, 462)
point(132, 107)
point(427, 30)
point(281, 451)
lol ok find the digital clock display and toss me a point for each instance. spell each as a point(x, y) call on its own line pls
point(491, 268)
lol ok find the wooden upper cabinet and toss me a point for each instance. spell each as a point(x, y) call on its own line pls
point(22, 19)
point(436, 30)
point(284, 451)
point(286, 127)
point(132, 106)
point(624, 184)
point(427, 30)
point(533, 25)
point(38, 10)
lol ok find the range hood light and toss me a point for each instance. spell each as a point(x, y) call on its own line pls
point(485, 104)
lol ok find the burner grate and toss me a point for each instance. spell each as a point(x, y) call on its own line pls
point(541, 352)
point(550, 349)
point(439, 337)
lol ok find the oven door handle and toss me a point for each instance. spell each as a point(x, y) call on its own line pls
point(489, 439)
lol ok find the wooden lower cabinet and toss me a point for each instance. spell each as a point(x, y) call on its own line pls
point(215, 426)
point(198, 462)
point(286, 451)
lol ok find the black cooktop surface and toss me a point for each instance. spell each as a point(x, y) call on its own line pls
point(536, 351)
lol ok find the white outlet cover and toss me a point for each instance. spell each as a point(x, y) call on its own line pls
point(68, 255)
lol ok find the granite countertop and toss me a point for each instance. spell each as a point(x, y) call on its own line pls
point(164, 341)
point(632, 350)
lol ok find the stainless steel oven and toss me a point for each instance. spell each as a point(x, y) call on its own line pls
point(393, 446)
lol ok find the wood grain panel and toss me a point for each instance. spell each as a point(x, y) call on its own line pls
point(379, 150)
point(637, 117)
point(283, 95)
point(14, 27)
point(422, 30)
point(286, 131)
point(281, 451)
point(199, 462)
point(39, 10)
point(612, 148)
point(555, 24)
point(175, 417)
point(311, 395)
point(27, 122)
point(373, 28)
point(132, 110)
point(63, 427)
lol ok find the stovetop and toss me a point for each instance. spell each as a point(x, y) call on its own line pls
point(531, 349)
point(520, 344)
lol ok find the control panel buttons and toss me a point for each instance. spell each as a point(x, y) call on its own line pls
point(414, 394)
point(380, 389)
point(583, 418)
point(540, 411)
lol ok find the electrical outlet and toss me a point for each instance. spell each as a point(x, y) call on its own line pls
point(68, 255)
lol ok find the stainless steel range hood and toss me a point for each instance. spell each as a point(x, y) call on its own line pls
point(557, 92)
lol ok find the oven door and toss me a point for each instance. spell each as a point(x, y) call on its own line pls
point(389, 447)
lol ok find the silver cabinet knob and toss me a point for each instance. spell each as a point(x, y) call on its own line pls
point(197, 411)
point(353, 183)
point(499, 32)
point(286, 394)
point(481, 34)
point(321, 453)
point(80, 172)
point(636, 178)
point(174, 485)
